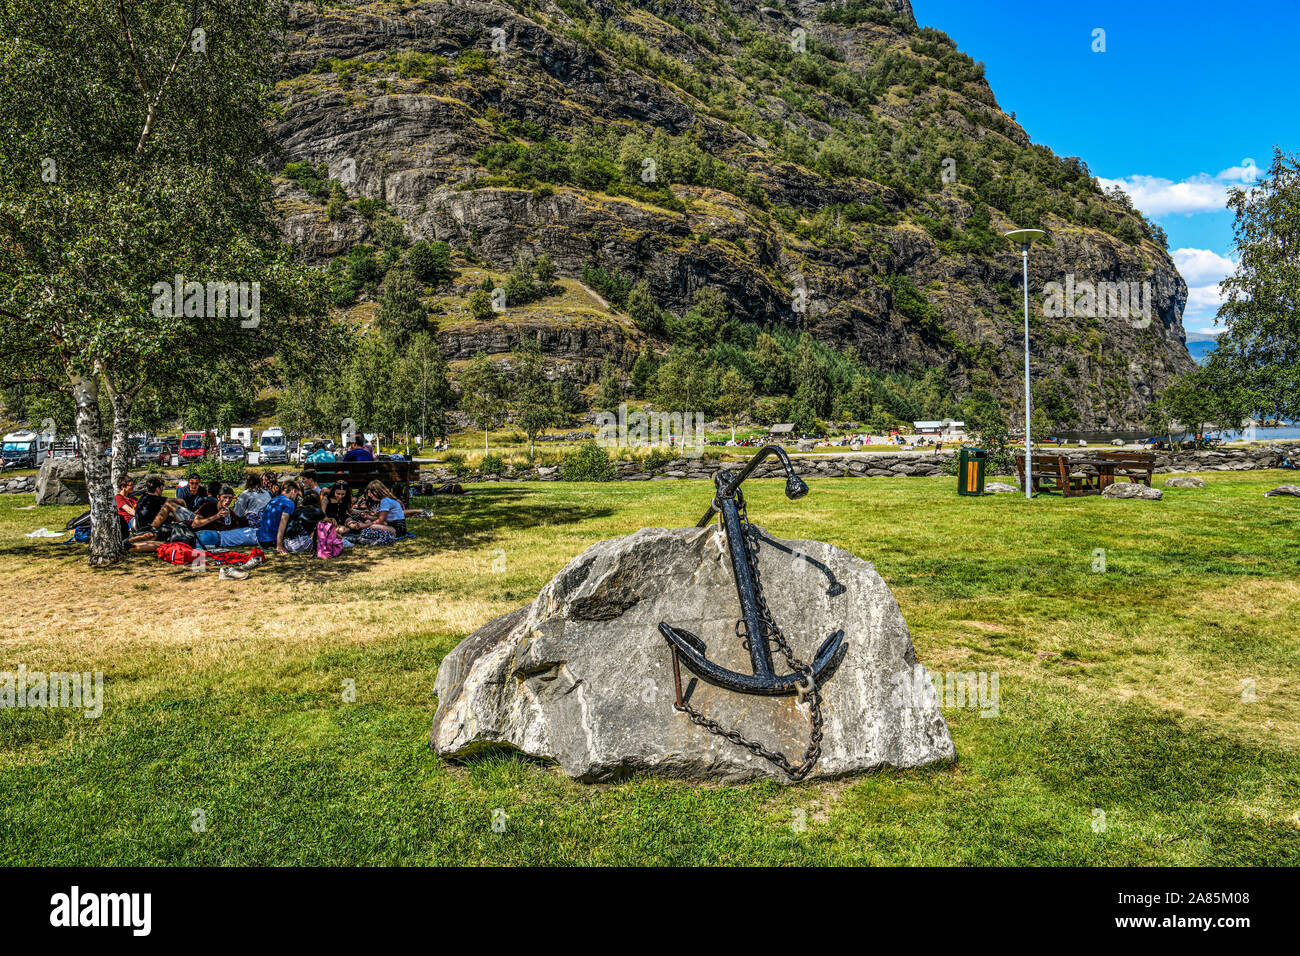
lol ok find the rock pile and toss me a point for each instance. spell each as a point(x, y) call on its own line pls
point(17, 485)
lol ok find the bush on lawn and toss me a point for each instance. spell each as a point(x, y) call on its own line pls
point(588, 462)
point(214, 469)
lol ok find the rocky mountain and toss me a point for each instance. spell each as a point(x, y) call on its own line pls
point(829, 167)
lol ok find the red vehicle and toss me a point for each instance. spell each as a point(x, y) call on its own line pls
point(194, 445)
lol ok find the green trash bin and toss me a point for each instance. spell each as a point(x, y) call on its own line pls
point(970, 471)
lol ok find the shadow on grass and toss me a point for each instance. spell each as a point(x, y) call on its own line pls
point(457, 522)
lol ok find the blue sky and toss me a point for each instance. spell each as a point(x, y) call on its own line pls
point(1183, 94)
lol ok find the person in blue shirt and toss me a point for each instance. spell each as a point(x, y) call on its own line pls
point(321, 454)
point(359, 451)
point(189, 491)
point(275, 517)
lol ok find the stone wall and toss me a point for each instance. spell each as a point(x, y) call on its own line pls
point(876, 465)
point(885, 465)
point(18, 485)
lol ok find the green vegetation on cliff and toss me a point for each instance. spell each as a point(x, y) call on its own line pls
point(837, 169)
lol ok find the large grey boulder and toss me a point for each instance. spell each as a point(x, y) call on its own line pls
point(62, 481)
point(582, 675)
point(999, 488)
point(1283, 490)
point(1129, 489)
point(1185, 481)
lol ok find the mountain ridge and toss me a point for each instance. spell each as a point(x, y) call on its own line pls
point(863, 171)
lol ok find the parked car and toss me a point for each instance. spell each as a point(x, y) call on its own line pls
point(152, 453)
point(233, 451)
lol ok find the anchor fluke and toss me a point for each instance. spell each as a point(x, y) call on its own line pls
point(692, 651)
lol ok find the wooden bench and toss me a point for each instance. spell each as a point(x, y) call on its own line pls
point(1056, 469)
point(397, 476)
point(1136, 466)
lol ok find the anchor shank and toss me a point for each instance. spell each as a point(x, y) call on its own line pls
point(760, 654)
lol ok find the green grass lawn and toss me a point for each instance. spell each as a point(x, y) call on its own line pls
point(1162, 691)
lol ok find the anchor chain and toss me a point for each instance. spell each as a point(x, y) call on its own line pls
point(808, 691)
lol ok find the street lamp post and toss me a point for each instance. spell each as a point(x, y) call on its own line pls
point(1024, 238)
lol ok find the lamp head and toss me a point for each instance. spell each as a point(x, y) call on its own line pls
point(1025, 237)
point(795, 487)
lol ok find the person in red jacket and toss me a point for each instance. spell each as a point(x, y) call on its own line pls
point(125, 501)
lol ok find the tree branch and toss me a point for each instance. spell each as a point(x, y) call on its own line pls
point(130, 41)
point(196, 17)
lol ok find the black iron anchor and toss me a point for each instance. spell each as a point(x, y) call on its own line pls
point(759, 628)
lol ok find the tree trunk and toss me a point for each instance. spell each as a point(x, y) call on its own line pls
point(121, 403)
point(105, 534)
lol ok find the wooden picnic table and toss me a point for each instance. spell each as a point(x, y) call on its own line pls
point(1109, 465)
point(1060, 471)
point(1105, 470)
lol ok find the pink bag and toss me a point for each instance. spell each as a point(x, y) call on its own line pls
point(328, 544)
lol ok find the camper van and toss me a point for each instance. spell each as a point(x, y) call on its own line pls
point(25, 449)
point(274, 449)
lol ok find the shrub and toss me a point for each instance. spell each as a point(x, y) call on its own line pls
point(363, 267)
point(613, 286)
point(492, 465)
point(643, 310)
point(474, 62)
point(368, 207)
point(455, 462)
point(480, 305)
point(430, 261)
point(313, 179)
point(545, 272)
point(657, 458)
point(338, 197)
point(390, 233)
point(587, 462)
point(214, 469)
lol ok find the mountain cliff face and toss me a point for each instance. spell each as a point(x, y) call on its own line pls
point(834, 168)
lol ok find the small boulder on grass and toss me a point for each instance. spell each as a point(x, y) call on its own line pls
point(1284, 490)
point(1185, 481)
point(998, 488)
point(1132, 490)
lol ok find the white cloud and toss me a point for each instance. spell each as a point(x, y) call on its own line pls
point(1201, 266)
point(1157, 196)
point(1247, 172)
point(1203, 301)
point(1161, 197)
point(1203, 270)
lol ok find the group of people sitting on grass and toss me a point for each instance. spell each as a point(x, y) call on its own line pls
point(296, 516)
